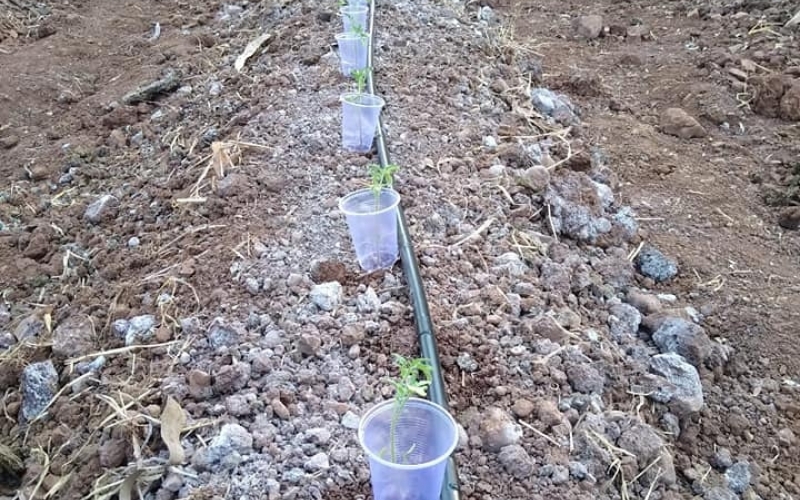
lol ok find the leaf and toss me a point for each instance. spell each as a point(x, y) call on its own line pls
point(172, 421)
point(248, 51)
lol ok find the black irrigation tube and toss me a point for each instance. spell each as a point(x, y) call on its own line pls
point(451, 489)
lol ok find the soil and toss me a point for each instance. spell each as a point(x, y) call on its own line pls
point(205, 209)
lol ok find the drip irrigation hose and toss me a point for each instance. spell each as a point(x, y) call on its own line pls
point(451, 489)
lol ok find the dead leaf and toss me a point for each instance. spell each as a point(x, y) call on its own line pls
point(172, 421)
point(248, 51)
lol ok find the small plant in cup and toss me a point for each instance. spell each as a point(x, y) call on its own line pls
point(414, 380)
point(380, 178)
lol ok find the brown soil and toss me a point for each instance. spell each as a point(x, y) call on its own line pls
point(714, 203)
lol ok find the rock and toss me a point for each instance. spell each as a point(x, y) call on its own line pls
point(767, 94)
point(578, 470)
point(8, 141)
point(7, 340)
point(522, 408)
point(682, 337)
point(722, 459)
point(790, 102)
point(317, 463)
point(586, 379)
point(326, 296)
point(73, 337)
point(102, 209)
point(368, 301)
point(221, 333)
point(466, 362)
point(238, 405)
point(38, 246)
point(30, 327)
point(589, 27)
point(556, 106)
point(150, 91)
point(677, 122)
point(682, 389)
point(643, 442)
point(252, 285)
point(655, 265)
point(547, 412)
point(324, 271)
point(786, 437)
point(498, 430)
point(140, 329)
point(350, 420)
point(789, 218)
point(309, 343)
point(560, 475)
point(576, 209)
point(624, 321)
point(738, 477)
point(644, 302)
point(173, 482)
point(489, 142)
point(232, 441)
point(230, 378)
point(719, 493)
point(200, 385)
point(280, 409)
point(319, 435)
point(535, 178)
point(38, 384)
point(113, 453)
point(133, 242)
point(516, 461)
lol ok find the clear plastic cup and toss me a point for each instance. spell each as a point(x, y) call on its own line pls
point(360, 113)
point(354, 15)
point(372, 221)
point(353, 49)
point(358, 3)
point(424, 437)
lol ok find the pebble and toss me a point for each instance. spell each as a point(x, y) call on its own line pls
point(677, 122)
point(578, 470)
point(786, 437)
point(103, 208)
point(319, 435)
point(238, 405)
point(252, 285)
point(317, 463)
point(535, 178)
point(221, 333)
point(738, 477)
point(280, 409)
point(655, 265)
point(73, 337)
point(589, 27)
point(722, 459)
point(516, 461)
point(683, 390)
point(498, 430)
point(522, 408)
point(39, 384)
point(350, 420)
point(548, 413)
point(560, 475)
point(326, 296)
point(676, 335)
point(644, 302)
point(368, 301)
point(490, 142)
point(585, 378)
point(133, 242)
point(719, 493)
point(497, 170)
point(466, 362)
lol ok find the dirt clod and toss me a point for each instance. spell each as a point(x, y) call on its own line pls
point(677, 122)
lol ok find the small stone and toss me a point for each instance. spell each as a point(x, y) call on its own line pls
point(133, 242)
point(497, 170)
point(585, 378)
point(535, 178)
point(231, 378)
point(676, 335)
point(368, 301)
point(786, 437)
point(498, 430)
point(317, 463)
point(351, 335)
point(578, 470)
point(738, 477)
point(722, 459)
point(522, 408)
point(9, 141)
point(790, 102)
point(252, 285)
point(113, 453)
point(39, 384)
point(103, 208)
point(624, 322)
point(215, 88)
point(326, 296)
point(490, 142)
point(643, 442)
point(324, 271)
point(681, 389)
point(677, 122)
point(655, 265)
point(199, 385)
point(280, 409)
point(466, 362)
point(30, 327)
point(548, 413)
point(221, 333)
point(350, 420)
point(309, 344)
point(140, 329)
point(173, 482)
point(789, 218)
point(719, 493)
point(589, 27)
point(232, 438)
point(516, 461)
point(671, 425)
point(644, 302)
point(238, 405)
point(560, 475)
point(7, 340)
point(73, 337)
point(319, 435)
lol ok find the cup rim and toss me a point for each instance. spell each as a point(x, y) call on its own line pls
point(354, 8)
point(349, 35)
point(393, 465)
point(378, 103)
point(349, 196)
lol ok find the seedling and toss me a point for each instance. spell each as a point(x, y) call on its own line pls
point(360, 76)
point(358, 30)
point(380, 178)
point(415, 378)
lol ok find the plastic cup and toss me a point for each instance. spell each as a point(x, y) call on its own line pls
point(358, 3)
point(354, 15)
point(424, 437)
point(353, 50)
point(360, 113)
point(372, 222)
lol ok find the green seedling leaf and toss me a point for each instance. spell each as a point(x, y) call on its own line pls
point(415, 378)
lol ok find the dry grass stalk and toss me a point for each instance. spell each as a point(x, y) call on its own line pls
point(539, 433)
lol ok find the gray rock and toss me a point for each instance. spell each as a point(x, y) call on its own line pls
point(624, 322)
point(676, 335)
point(466, 362)
point(226, 448)
point(173, 482)
point(585, 378)
point(140, 329)
point(560, 475)
point(642, 441)
point(103, 208)
point(738, 477)
point(29, 327)
point(319, 435)
point(39, 384)
point(221, 333)
point(719, 493)
point(368, 301)
point(655, 265)
point(317, 463)
point(73, 337)
point(252, 285)
point(509, 263)
point(589, 27)
point(681, 389)
point(516, 461)
point(350, 420)
point(91, 366)
point(238, 405)
point(556, 106)
point(786, 437)
point(537, 178)
point(605, 194)
point(722, 459)
point(498, 430)
point(133, 242)
point(326, 296)
point(671, 424)
point(578, 470)
point(625, 220)
point(490, 142)
point(7, 340)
